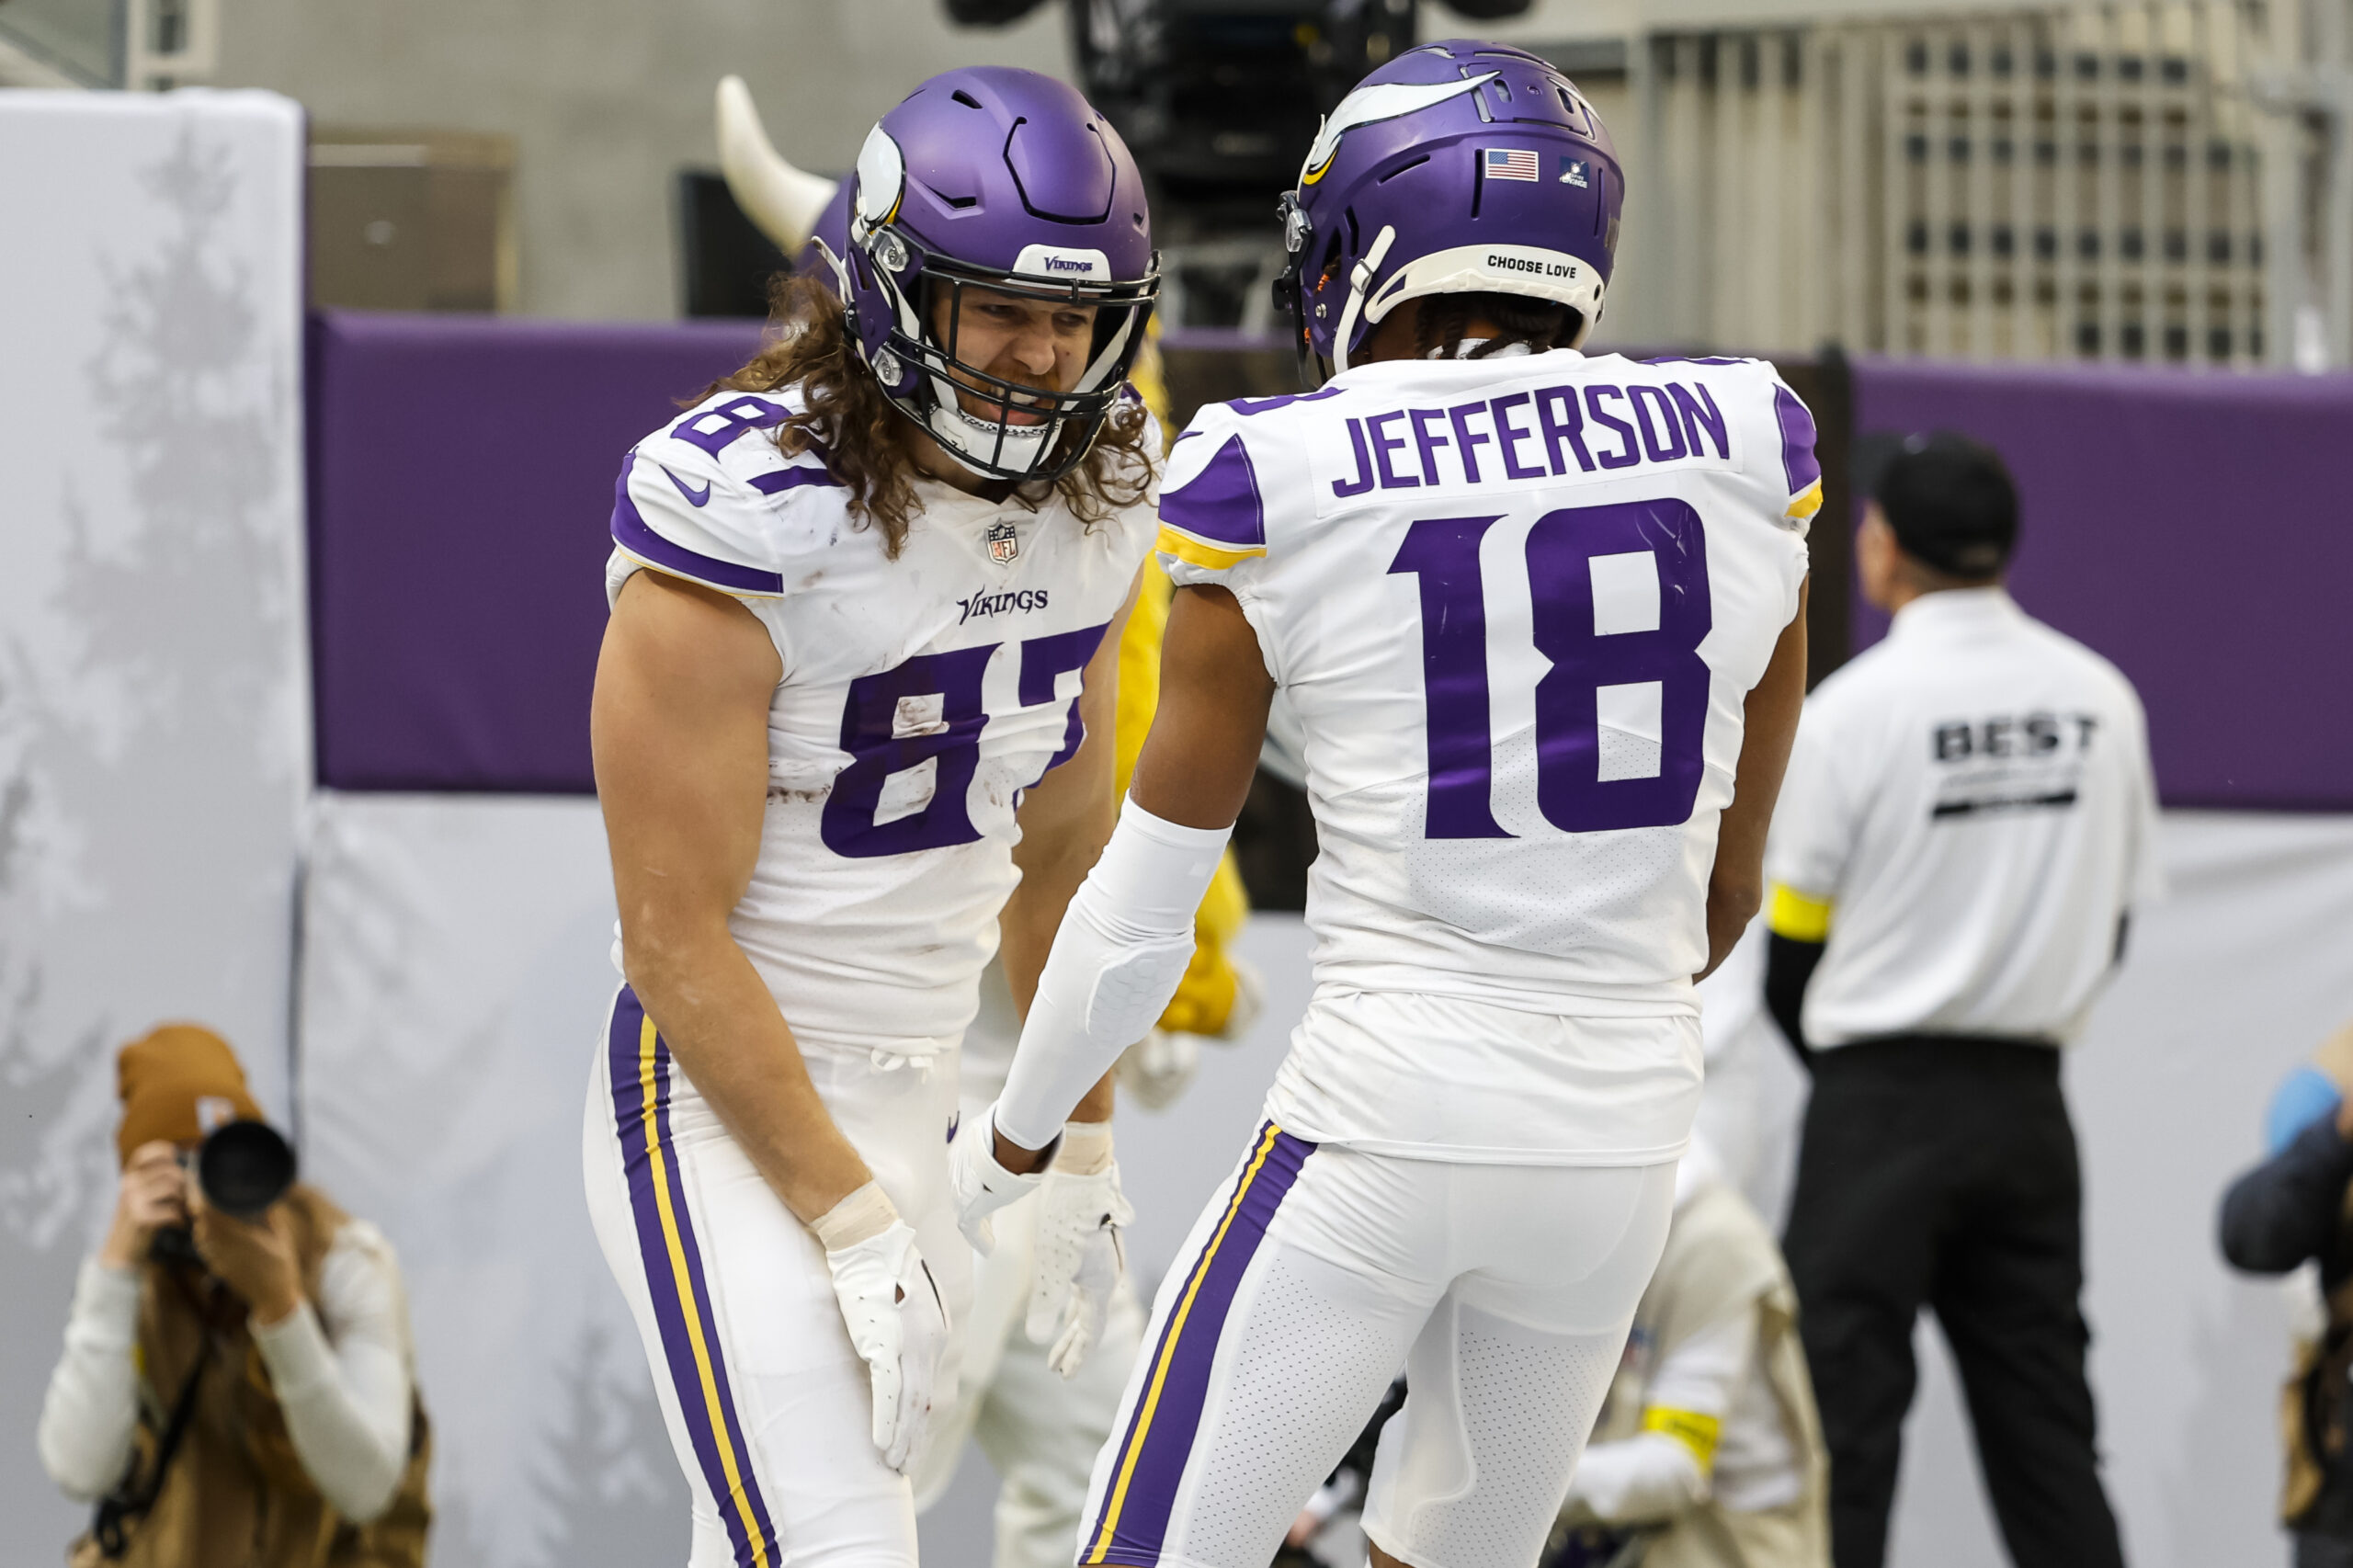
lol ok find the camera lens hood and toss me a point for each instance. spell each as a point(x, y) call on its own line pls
point(245, 1167)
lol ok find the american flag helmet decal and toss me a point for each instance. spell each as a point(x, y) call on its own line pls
point(1509, 163)
point(1441, 172)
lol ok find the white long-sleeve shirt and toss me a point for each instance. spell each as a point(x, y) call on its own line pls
point(341, 1367)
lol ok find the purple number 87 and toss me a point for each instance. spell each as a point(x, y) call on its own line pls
point(1639, 663)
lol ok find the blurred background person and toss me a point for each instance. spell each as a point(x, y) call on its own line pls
point(235, 1392)
point(1708, 1453)
point(1969, 818)
point(2293, 1215)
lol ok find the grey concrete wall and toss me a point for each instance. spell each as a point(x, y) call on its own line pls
point(607, 99)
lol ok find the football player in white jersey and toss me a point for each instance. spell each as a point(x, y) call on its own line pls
point(852, 720)
point(1539, 617)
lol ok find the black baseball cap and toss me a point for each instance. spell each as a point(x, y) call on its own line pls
point(1950, 500)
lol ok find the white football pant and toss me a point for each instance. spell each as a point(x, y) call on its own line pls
point(769, 1408)
point(1312, 1277)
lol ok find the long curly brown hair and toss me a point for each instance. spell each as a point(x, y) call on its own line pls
point(846, 418)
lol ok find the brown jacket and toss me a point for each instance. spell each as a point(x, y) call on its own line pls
point(236, 1495)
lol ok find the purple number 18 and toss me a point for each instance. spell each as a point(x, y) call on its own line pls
point(1616, 650)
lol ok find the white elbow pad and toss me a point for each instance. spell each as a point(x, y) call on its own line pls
point(1133, 988)
point(1124, 943)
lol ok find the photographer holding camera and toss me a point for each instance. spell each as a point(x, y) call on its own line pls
point(237, 1389)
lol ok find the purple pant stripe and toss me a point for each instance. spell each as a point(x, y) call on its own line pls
point(1155, 1453)
point(641, 1129)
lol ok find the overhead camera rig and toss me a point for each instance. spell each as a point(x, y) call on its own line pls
point(1218, 99)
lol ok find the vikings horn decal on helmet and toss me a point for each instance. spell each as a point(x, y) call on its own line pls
point(1004, 180)
point(1458, 167)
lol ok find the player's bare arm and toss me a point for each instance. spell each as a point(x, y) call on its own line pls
point(1736, 886)
point(679, 731)
point(1197, 764)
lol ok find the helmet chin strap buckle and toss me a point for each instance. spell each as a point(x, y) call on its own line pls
point(1360, 285)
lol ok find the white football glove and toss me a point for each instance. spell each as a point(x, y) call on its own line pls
point(897, 1321)
point(1080, 1254)
point(980, 1184)
point(1159, 1067)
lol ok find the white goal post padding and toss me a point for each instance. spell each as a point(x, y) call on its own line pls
point(153, 743)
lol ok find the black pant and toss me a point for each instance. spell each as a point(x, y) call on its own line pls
point(2322, 1552)
point(1941, 1173)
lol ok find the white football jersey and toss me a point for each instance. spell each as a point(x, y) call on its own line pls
point(921, 696)
point(1516, 605)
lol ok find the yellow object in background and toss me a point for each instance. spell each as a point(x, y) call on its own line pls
point(1799, 916)
point(1204, 1000)
point(1694, 1429)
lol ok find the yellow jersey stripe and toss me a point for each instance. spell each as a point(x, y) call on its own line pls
point(684, 1284)
point(1196, 552)
point(1798, 917)
point(1168, 1348)
point(1805, 502)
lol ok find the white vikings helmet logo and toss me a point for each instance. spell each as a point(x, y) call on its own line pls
point(1369, 104)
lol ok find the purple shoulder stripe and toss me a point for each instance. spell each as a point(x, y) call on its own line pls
point(630, 532)
point(1694, 360)
point(1220, 503)
point(785, 479)
point(1247, 406)
point(1797, 439)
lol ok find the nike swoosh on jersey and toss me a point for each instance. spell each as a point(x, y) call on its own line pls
point(687, 490)
point(1369, 104)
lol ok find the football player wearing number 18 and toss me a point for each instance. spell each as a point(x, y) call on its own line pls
point(1538, 616)
point(853, 731)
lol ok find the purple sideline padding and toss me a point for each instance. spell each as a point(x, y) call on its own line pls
point(461, 487)
point(2193, 527)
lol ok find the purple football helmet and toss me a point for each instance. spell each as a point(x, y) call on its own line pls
point(1003, 179)
point(1458, 167)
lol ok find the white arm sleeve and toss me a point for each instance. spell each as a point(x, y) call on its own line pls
point(92, 1406)
point(1123, 945)
point(342, 1375)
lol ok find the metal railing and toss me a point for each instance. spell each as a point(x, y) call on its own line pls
point(2151, 180)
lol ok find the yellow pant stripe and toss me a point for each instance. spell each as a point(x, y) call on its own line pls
point(684, 1282)
point(1168, 1348)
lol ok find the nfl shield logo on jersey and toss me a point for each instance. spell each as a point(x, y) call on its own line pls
point(1004, 542)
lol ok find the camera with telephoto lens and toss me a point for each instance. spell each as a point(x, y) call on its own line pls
point(244, 1167)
